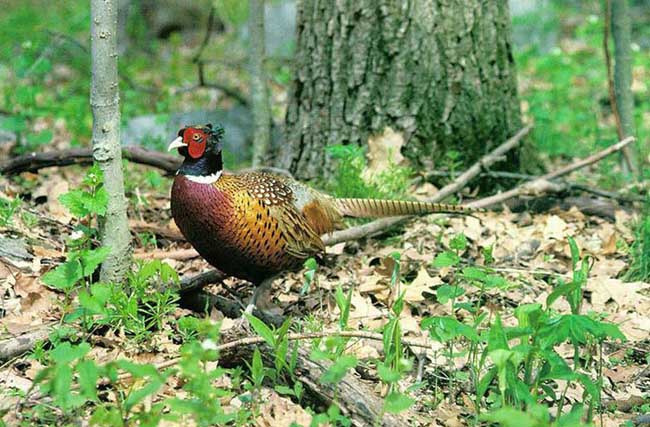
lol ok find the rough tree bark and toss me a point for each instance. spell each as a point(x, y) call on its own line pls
point(105, 103)
point(259, 90)
point(440, 72)
point(623, 77)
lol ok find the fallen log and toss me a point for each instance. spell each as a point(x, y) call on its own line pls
point(32, 162)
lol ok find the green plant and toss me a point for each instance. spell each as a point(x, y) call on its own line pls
point(88, 205)
point(7, 210)
point(517, 368)
point(137, 309)
point(639, 267)
point(349, 180)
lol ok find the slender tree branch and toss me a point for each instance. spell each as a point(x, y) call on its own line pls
point(541, 183)
point(489, 159)
point(570, 186)
point(206, 38)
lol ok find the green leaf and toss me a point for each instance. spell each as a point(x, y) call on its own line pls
point(474, 273)
point(74, 201)
point(261, 329)
point(65, 276)
point(459, 242)
point(575, 252)
point(444, 329)
point(446, 259)
point(446, 293)
point(387, 374)
point(343, 302)
point(97, 204)
point(66, 353)
point(283, 389)
point(257, 367)
point(339, 368)
point(91, 258)
point(397, 402)
point(138, 395)
point(88, 375)
point(497, 339)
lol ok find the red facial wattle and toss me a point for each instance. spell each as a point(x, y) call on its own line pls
point(196, 141)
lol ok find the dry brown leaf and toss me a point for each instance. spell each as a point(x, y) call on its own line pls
point(384, 150)
point(609, 245)
point(278, 411)
point(52, 189)
point(555, 228)
point(422, 283)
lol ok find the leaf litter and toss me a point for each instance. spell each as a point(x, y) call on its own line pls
point(530, 252)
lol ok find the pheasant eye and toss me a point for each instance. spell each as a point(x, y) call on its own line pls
point(196, 137)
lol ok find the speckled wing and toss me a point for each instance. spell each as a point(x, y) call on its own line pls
point(277, 220)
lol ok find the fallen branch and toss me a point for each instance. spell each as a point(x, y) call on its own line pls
point(14, 347)
point(375, 336)
point(569, 186)
point(158, 230)
point(179, 254)
point(542, 184)
point(377, 226)
point(32, 162)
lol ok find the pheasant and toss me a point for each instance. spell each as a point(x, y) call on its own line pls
point(254, 226)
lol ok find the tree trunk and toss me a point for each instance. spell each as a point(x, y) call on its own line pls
point(105, 103)
point(440, 72)
point(259, 90)
point(623, 77)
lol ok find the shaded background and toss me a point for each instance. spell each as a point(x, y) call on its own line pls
point(45, 73)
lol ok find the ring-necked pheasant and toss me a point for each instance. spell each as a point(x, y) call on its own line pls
point(254, 226)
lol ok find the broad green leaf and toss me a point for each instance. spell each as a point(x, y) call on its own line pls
point(459, 242)
point(446, 259)
point(387, 374)
point(475, 273)
point(65, 276)
point(88, 375)
point(444, 329)
point(261, 329)
point(446, 293)
point(397, 402)
point(74, 201)
point(66, 353)
point(91, 258)
point(339, 368)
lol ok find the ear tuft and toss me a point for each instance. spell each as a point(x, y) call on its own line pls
point(209, 126)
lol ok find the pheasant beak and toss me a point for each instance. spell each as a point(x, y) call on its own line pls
point(177, 143)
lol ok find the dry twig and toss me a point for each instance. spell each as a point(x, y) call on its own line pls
point(542, 184)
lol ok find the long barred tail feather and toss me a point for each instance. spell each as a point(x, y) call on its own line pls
point(377, 208)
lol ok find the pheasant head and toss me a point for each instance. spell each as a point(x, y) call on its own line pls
point(201, 147)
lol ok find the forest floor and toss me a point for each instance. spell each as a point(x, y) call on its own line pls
point(530, 251)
